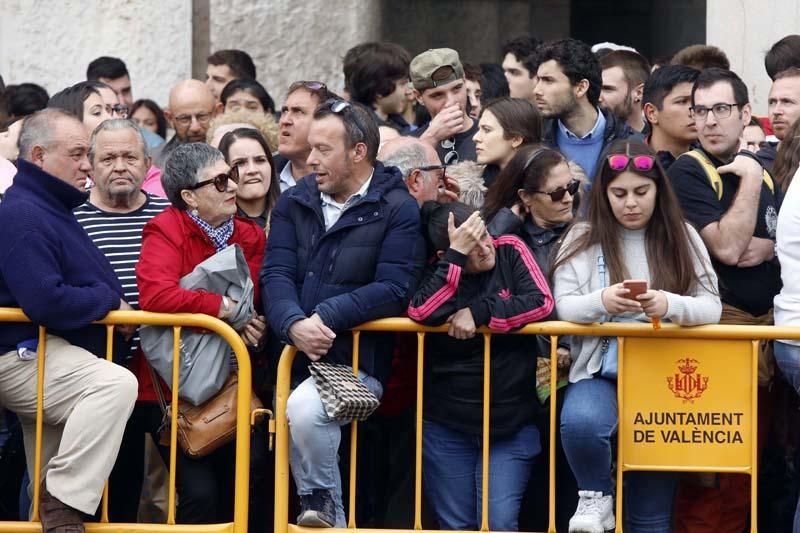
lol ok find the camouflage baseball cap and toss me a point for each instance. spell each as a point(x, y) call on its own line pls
point(424, 67)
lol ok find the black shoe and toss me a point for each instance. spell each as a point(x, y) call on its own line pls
point(317, 509)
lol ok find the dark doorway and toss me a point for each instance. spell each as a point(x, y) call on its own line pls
point(655, 28)
point(478, 28)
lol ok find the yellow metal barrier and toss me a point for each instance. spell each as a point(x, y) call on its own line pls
point(650, 363)
point(176, 321)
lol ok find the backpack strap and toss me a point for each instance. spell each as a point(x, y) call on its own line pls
point(713, 175)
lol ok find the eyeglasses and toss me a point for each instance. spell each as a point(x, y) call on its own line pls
point(220, 181)
point(185, 120)
point(619, 162)
point(451, 157)
point(431, 168)
point(119, 110)
point(558, 193)
point(720, 110)
point(339, 107)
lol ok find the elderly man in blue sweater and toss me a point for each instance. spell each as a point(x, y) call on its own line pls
point(51, 269)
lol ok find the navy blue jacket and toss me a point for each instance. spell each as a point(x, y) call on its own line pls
point(363, 268)
point(49, 266)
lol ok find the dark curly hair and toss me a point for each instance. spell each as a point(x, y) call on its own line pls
point(576, 61)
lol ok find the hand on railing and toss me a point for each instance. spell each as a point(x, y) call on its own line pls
point(128, 330)
point(312, 336)
point(462, 324)
point(654, 303)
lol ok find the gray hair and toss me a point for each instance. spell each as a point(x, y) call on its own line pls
point(185, 167)
point(407, 158)
point(39, 130)
point(117, 124)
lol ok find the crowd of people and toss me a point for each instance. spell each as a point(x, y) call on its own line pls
point(466, 195)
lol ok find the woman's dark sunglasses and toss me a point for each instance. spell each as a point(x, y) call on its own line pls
point(643, 163)
point(558, 193)
point(220, 181)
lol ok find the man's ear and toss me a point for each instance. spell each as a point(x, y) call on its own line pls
point(218, 109)
point(650, 112)
point(440, 254)
point(747, 114)
point(361, 152)
point(637, 93)
point(413, 180)
point(516, 142)
point(581, 88)
point(170, 118)
point(37, 155)
point(418, 96)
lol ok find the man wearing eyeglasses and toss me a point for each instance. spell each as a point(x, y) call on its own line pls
point(734, 204)
point(343, 249)
point(191, 108)
point(439, 85)
point(423, 172)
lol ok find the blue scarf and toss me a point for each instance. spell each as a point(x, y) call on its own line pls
point(219, 236)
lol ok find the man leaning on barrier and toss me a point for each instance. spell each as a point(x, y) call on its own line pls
point(342, 250)
point(51, 269)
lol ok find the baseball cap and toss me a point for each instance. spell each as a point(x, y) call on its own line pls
point(427, 63)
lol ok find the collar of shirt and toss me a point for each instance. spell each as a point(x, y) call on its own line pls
point(286, 179)
point(598, 129)
point(332, 209)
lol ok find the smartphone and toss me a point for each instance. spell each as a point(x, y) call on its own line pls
point(636, 287)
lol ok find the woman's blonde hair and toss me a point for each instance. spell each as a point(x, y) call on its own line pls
point(264, 123)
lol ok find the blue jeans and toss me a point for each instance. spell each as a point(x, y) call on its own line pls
point(788, 358)
point(452, 473)
point(314, 442)
point(588, 422)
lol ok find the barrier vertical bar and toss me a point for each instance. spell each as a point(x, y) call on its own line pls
point(620, 429)
point(282, 441)
point(551, 482)
point(351, 520)
point(487, 345)
point(41, 350)
point(173, 426)
point(756, 349)
point(418, 437)
point(109, 357)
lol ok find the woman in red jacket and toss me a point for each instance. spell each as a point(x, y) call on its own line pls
point(200, 223)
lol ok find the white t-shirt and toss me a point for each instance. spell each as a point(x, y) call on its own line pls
point(787, 302)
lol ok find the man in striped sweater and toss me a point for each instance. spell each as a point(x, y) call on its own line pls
point(113, 217)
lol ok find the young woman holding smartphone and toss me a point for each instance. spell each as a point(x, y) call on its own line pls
point(634, 231)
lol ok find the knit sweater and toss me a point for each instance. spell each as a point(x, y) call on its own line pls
point(578, 288)
point(49, 266)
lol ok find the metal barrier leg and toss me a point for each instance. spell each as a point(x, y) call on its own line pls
point(551, 482)
point(282, 441)
point(41, 350)
point(418, 443)
point(351, 519)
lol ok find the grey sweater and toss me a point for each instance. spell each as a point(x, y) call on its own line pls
point(578, 288)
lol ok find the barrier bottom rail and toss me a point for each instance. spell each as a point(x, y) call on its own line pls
point(244, 420)
point(706, 375)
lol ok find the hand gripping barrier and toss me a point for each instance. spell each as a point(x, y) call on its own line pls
point(687, 400)
point(243, 421)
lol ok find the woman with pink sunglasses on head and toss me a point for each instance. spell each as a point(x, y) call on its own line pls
point(634, 231)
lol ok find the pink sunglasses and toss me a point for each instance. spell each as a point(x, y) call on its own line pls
point(619, 162)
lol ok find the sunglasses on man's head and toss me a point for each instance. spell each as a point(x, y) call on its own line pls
point(310, 85)
point(558, 193)
point(339, 107)
point(220, 181)
point(619, 162)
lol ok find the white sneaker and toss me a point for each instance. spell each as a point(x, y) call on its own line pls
point(595, 513)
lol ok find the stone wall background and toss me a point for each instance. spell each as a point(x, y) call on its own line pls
point(51, 42)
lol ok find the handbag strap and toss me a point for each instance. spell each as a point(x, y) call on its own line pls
point(157, 386)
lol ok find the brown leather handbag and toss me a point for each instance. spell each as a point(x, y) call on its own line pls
point(204, 428)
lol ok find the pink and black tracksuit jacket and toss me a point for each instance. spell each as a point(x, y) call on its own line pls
point(512, 294)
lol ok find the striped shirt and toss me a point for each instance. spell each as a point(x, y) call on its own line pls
point(119, 237)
